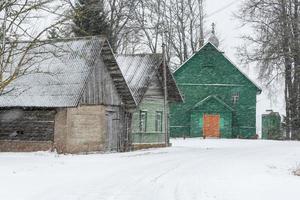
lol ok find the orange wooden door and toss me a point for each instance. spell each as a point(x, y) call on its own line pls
point(211, 125)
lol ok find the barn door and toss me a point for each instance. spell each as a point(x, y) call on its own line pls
point(112, 130)
point(211, 125)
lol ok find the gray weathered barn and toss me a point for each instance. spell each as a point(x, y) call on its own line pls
point(76, 101)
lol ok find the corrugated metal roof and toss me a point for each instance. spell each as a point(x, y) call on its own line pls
point(138, 70)
point(61, 69)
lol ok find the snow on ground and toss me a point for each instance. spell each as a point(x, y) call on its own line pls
point(191, 169)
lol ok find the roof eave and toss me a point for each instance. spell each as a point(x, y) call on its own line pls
point(179, 98)
point(128, 100)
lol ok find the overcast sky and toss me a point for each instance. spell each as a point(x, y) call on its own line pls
point(228, 30)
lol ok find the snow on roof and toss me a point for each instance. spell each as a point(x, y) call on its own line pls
point(138, 70)
point(59, 72)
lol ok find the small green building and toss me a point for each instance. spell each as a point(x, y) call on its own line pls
point(271, 126)
point(219, 100)
point(144, 75)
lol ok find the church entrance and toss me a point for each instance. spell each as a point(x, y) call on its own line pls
point(211, 125)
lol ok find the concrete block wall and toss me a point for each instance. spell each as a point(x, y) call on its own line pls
point(81, 129)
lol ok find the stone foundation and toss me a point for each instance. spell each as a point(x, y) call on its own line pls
point(146, 146)
point(25, 146)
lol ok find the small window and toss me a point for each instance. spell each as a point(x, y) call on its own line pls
point(143, 121)
point(235, 97)
point(158, 121)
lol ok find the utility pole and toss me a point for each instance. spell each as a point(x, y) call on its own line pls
point(165, 114)
point(166, 129)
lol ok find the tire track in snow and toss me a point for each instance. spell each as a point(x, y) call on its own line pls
point(155, 179)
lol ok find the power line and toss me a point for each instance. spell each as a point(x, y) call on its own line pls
point(221, 9)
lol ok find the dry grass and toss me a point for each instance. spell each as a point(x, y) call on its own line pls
point(296, 171)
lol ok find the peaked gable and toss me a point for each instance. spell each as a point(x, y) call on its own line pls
point(100, 88)
point(118, 78)
point(209, 57)
point(139, 70)
point(155, 88)
point(212, 98)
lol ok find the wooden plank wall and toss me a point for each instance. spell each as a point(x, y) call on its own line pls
point(27, 125)
point(118, 129)
point(155, 89)
point(100, 89)
point(115, 128)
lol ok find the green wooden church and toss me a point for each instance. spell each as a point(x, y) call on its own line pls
point(219, 100)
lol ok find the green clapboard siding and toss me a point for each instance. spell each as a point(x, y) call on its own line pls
point(208, 81)
point(151, 106)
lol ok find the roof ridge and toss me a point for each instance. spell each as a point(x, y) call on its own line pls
point(65, 39)
point(139, 54)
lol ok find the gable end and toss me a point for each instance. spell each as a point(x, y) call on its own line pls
point(210, 64)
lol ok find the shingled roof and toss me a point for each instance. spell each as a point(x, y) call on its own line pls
point(61, 69)
point(138, 70)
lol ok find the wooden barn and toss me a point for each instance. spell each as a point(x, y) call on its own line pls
point(77, 101)
point(144, 76)
point(220, 100)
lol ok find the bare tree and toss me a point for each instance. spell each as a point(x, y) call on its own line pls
point(16, 19)
point(149, 18)
point(120, 18)
point(275, 48)
point(139, 25)
point(179, 23)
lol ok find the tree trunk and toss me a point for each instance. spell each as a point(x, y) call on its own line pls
point(288, 69)
point(297, 67)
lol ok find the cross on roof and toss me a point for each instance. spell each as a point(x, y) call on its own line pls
point(213, 26)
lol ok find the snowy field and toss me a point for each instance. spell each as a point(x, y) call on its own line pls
point(191, 169)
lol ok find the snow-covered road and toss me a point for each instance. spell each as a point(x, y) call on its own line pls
point(191, 169)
